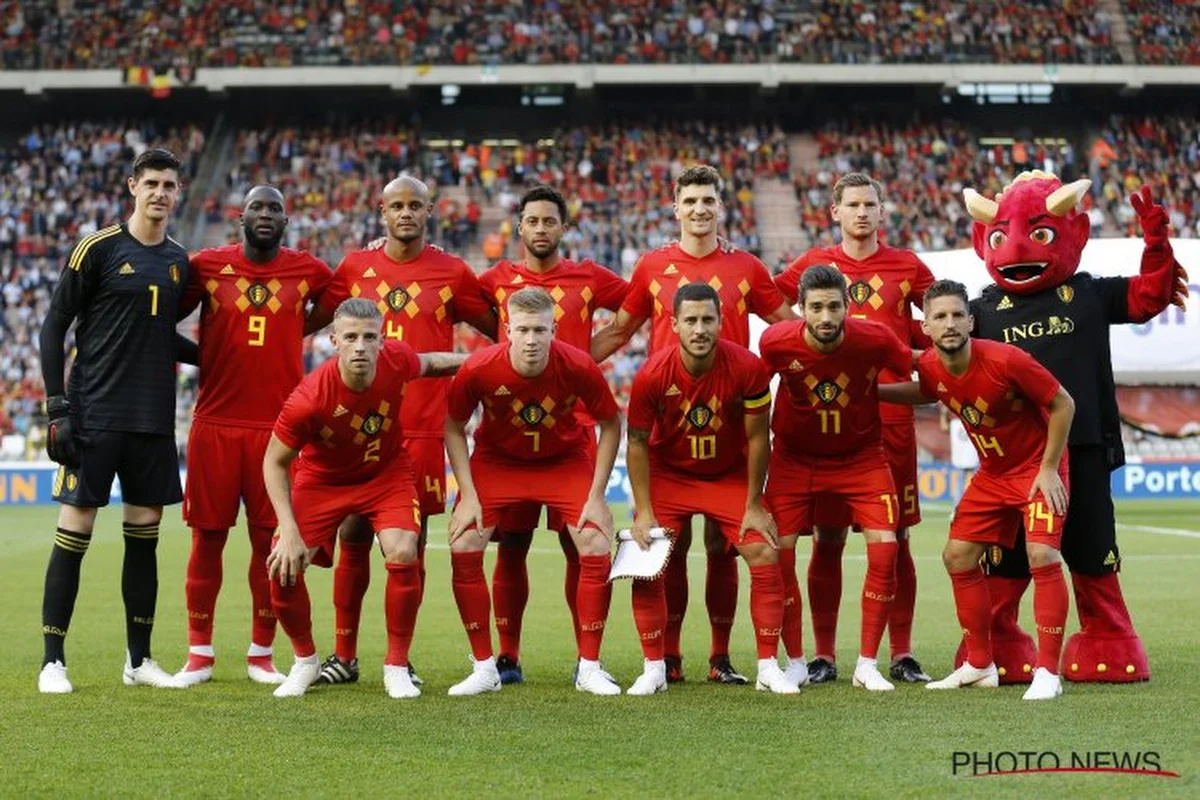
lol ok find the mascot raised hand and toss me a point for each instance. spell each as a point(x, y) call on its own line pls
point(1031, 237)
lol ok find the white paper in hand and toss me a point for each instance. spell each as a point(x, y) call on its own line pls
point(632, 561)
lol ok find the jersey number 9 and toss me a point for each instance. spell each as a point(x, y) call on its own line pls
point(257, 326)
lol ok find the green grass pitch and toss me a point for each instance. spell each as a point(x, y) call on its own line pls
point(232, 738)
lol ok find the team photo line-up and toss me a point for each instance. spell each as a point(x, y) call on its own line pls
point(355, 453)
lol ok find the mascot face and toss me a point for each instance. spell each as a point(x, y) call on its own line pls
point(1031, 236)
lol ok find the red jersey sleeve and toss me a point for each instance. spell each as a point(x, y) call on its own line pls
point(756, 398)
point(461, 399)
point(488, 281)
point(922, 279)
point(593, 390)
point(611, 289)
point(469, 301)
point(788, 281)
point(320, 276)
point(1033, 380)
point(193, 295)
point(293, 427)
point(642, 411)
point(899, 354)
point(338, 288)
point(764, 298)
point(405, 359)
point(638, 302)
point(925, 374)
point(769, 347)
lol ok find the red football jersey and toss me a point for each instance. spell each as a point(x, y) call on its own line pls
point(741, 280)
point(421, 300)
point(251, 330)
point(697, 425)
point(1003, 400)
point(530, 419)
point(828, 403)
point(884, 287)
point(344, 436)
point(578, 290)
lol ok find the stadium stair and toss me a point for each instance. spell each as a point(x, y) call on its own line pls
point(1120, 30)
point(776, 207)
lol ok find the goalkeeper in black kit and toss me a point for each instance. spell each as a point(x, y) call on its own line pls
point(122, 286)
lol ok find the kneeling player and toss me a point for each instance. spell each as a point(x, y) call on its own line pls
point(699, 443)
point(828, 445)
point(1018, 417)
point(531, 448)
point(344, 416)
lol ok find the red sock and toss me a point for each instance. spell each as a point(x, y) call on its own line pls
point(262, 625)
point(474, 604)
point(901, 619)
point(676, 585)
point(510, 591)
point(825, 593)
point(203, 583)
point(595, 596)
point(1050, 606)
point(571, 580)
point(766, 607)
point(402, 598)
point(650, 616)
point(721, 596)
point(793, 605)
point(879, 592)
point(351, 577)
point(421, 567)
point(974, 605)
point(294, 611)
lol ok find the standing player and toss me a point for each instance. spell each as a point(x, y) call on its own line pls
point(422, 291)
point(530, 448)
point(885, 284)
point(124, 285)
point(344, 424)
point(578, 290)
point(828, 447)
point(254, 299)
point(699, 443)
point(1018, 417)
point(745, 287)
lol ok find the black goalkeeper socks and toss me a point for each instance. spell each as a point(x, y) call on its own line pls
point(62, 586)
point(139, 588)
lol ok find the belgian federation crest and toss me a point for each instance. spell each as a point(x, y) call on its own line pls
point(396, 299)
point(532, 414)
point(972, 415)
point(860, 292)
point(827, 391)
point(173, 271)
point(699, 416)
point(372, 423)
point(257, 294)
point(1065, 293)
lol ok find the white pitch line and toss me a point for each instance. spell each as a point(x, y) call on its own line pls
point(1189, 534)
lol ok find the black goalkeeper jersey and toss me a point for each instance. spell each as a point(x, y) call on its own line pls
point(125, 296)
point(1066, 330)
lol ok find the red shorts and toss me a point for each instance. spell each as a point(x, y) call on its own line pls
point(508, 488)
point(389, 500)
point(861, 481)
point(676, 496)
point(900, 450)
point(992, 511)
point(225, 467)
point(428, 457)
point(525, 517)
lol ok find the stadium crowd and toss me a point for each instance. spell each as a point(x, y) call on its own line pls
point(1164, 33)
point(252, 33)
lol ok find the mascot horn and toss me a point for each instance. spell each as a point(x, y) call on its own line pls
point(1031, 237)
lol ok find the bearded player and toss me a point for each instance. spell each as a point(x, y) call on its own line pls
point(422, 291)
point(745, 287)
point(699, 443)
point(1018, 417)
point(885, 284)
point(530, 448)
point(343, 423)
point(254, 298)
point(578, 289)
point(828, 446)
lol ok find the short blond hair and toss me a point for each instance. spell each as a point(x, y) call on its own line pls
point(530, 300)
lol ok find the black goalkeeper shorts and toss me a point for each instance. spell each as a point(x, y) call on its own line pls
point(146, 463)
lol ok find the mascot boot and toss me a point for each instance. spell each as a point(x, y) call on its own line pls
point(1107, 649)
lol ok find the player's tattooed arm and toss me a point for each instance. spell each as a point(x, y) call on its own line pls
point(1058, 428)
point(613, 336)
point(906, 393)
point(289, 556)
point(435, 365)
point(486, 323)
point(637, 461)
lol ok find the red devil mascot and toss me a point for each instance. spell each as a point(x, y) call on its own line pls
point(1031, 237)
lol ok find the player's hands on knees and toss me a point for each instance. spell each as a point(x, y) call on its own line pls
point(597, 512)
point(62, 440)
point(759, 519)
point(288, 558)
point(1051, 486)
point(467, 514)
point(640, 531)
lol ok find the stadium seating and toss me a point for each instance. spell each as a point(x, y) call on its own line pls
point(1164, 32)
point(256, 33)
